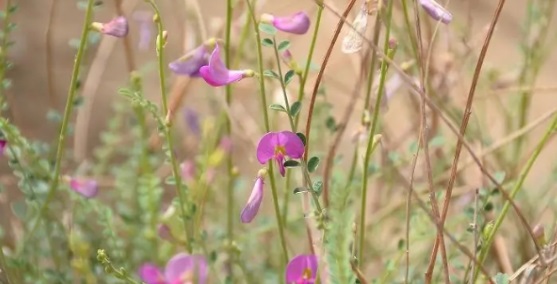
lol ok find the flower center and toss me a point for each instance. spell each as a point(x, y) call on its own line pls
point(280, 151)
point(307, 274)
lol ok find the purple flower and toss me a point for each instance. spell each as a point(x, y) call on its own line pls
point(216, 74)
point(297, 23)
point(192, 121)
point(145, 21)
point(301, 269)
point(436, 11)
point(117, 27)
point(88, 188)
point(180, 269)
point(3, 144)
point(277, 145)
point(254, 200)
point(190, 63)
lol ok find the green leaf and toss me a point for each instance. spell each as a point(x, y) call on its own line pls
point(284, 45)
point(295, 108)
point(318, 187)
point(271, 74)
point(499, 176)
point(268, 29)
point(170, 180)
point(302, 137)
point(291, 164)
point(501, 278)
point(277, 107)
point(267, 42)
point(312, 164)
point(288, 77)
point(19, 208)
point(299, 190)
point(331, 124)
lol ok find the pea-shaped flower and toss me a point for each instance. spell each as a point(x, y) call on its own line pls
point(191, 63)
point(254, 200)
point(87, 188)
point(117, 27)
point(436, 11)
point(278, 145)
point(181, 268)
point(301, 269)
point(216, 74)
point(297, 23)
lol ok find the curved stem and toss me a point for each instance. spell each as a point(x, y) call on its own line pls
point(72, 91)
point(167, 129)
point(262, 92)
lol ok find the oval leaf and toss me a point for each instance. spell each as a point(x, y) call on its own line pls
point(291, 164)
point(312, 164)
point(268, 29)
point(288, 77)
point(295, 108)
point(277, 107)
point(267, 42)
point(283, 45)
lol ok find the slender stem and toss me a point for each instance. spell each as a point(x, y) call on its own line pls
point(72, 91)
point(167, 129)
point(267, 129)
point(370, 142)
point(283, 86)
point(4, 265)
point(518, 186)
point(371, 74)
point(48, 49)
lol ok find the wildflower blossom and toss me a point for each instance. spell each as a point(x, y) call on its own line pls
point(216, 74)
point(180, 269)
point(301, 269)
point(254, 200)
point(191, 117)
point(188, 170)
point(297, 23)
point(190, 63)
point(436, 11)
point(117, 27)
point(3, 144)
point(88, 188)
point(278, 145)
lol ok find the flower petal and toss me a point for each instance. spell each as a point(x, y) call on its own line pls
point(192, 121)
point(3, 144)
point(216, 74)
point(298, 267)
point(117, 27)
point(436, 11)
point(182, 265)
point(254, 201)
point(151, 274)
point(86, 187)
point(297, 23)
point(190, 64)
point(293, 145)
point(266, 147)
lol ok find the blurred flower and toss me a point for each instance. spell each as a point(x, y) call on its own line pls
point(226, 144)
point(436, 11)
point(164, 232)
point(190, 63)
point(255, 199)
point(353, 40)
point(287, 58)
point(191, 117)
point(301, 269)
point(216, 74)
point(117, 27)
point(180, 269)
point(277, 145)
point(188, 170)
point(3, 144)
point(297, 23)
point(145, 21)
point(86, 187)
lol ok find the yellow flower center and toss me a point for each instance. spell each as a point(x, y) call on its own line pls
point(307, 274)
point(280, 150)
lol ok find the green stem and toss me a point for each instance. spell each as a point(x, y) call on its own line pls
point(72, 91)
point(4, 50)
point(283, 86)
point(262, 92)
point(369, 149)
point(167, 129)
point(518, 186)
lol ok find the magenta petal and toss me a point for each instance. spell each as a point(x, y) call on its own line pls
point(117, 27)
point(3, 144)
point(266, 147)
point(297, 268)
point(436, 11)
point(192, 65)
point(183, 267)
point(150, 274)
point(293, 145)
point(280, 163)
point(216, 74)
point(86, 187)
point(254, 201)
point(297, 23)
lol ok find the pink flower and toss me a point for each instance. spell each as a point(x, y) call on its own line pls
point(297, 23)
point(301, 269)
point(188, 170)
point(216, 74)
point(254, 200)
point(88, 188)
point(180, 269)
point(191, 63)
point(277, 145)
point(117, 27)
point(436, 11)
point(3, 144)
